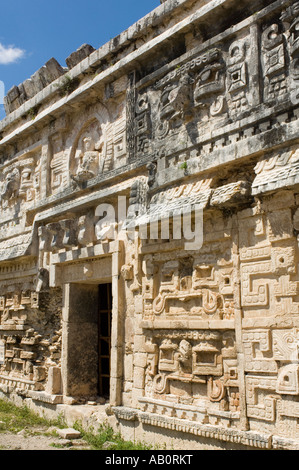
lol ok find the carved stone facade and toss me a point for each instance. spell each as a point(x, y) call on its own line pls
point(149, 228)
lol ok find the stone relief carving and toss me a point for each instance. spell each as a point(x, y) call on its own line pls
point(90, 163)
point(23, 368)
point(264, 350)
point(58, 163)
point(194, 357)
point(11, 185)
point(130, 113)
point(276, 169)
point(237, 76)
point(290, 20)
point(269, 252)
point(86, 230)
point(84, 148)
point(216, 84)
point(20, 181)
point(274, 63)
point(210, 81)
point(82, 230)
point(98, 146)
point(195, 84)
point(176, 99)
point(89, 155)
point(194, 290)
point(203, 287)
point(13, 307)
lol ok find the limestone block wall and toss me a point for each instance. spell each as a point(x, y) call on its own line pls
point(193, 110)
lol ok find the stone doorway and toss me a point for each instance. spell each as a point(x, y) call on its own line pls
point(87, 328)
point(85, 284)
point(104, 339)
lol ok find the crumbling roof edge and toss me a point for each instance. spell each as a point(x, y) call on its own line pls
point(89, 62)
point(132, 33)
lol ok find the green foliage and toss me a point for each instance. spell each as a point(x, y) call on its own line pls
point(15, 419)
point(67, 85)
point(106, 434)
point(183, 166)
point(31, 113)
point(61, 446)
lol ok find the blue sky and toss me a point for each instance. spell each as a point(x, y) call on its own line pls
point(33, 31)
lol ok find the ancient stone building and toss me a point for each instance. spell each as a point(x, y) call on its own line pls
point(149, 228)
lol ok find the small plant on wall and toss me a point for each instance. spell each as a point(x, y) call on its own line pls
point(68, 85)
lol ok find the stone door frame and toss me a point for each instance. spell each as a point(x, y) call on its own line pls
point(83, 278)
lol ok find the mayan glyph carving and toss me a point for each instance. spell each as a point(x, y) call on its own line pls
point(21, 180)
point(210, 85)
point(98, 147)
point(90, 228)
point(238, 76)
point(178, 359)
point(270, 172)
point(22, 345)
point(64, 234)
point(94, 146)
point(190, 287)
point(268, 257)
point(89, 158)
point(57, 163)
point(13, 305)
point(274, 62)
point(86, 229)
point(11, 185)
point(217, 83)
point(290, 20)
point(264, 352)
point(181, 290)
point(90, 162)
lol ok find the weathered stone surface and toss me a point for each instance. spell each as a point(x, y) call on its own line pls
point(84, 51)
point(17, 95)
point(69, 433)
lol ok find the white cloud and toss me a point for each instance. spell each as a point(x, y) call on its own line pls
point(10, 54)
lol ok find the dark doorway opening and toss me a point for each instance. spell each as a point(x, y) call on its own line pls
point(104, 335)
